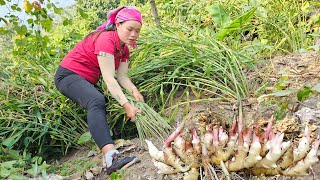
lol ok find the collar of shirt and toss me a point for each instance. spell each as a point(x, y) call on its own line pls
point(118, 43)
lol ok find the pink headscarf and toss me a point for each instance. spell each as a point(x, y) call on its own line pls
point(120, 14)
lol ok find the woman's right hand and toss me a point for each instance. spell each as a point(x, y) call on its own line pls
point(131, 111)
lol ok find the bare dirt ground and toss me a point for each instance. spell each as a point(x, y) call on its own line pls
point(301, 70)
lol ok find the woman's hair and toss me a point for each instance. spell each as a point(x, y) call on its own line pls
point(98, 32)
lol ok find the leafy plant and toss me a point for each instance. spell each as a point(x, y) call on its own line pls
point(16, 164)
point(74, 167)
point(194, 60)
point(223, 21)
point(118, 175)
point(43, 121)
point(286, 96)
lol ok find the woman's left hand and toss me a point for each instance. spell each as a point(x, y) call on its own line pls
point(137, 95)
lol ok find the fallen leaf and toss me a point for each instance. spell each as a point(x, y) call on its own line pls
point(119, 143)
point(129, 148)
point(122, 142)
point(92, 153)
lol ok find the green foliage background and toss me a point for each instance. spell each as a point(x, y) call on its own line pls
point(202, 47)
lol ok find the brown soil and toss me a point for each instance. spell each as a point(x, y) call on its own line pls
point(301, 69)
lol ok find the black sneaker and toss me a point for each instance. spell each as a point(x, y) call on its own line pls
point(120, 163)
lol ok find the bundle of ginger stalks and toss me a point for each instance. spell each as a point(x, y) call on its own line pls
point(149, 123)
point(194, 150)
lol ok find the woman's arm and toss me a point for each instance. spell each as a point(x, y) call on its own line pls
point(122, 77)
point(106, 64)
point(125, 81)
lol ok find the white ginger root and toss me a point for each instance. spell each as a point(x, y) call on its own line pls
point(284, 147)
point(264, 153)
point(303, 147)
point(236, 163)
point(185, 152)
point(173, 160)
point(154, 152)
point(208, 140)
point(196, 142)
point(204, 151)
point(276, 151)
point(215, 141)
point(223, 137)
point(192, 159)
point(164, 168)
point(180, 148)
point(173, 136)
point(193, 174)
point(224, 154)
point(265, 147)
point(254, 152)
point(247, 139)
point(266, 133)
point(303, 165)
point(286, 159)
point(219, 146)
point(264, 138)
point(230, 147)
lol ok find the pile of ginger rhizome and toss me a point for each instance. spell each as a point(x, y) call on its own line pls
point(200, 146)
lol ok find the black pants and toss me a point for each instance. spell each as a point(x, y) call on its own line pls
point(87, 96)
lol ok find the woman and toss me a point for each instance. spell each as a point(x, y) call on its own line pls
point(103, 52)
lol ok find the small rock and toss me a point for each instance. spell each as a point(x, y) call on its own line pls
point(96, 170)
point(89, 175)
point(306, 114)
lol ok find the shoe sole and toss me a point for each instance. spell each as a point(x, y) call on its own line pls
point(135, 160)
